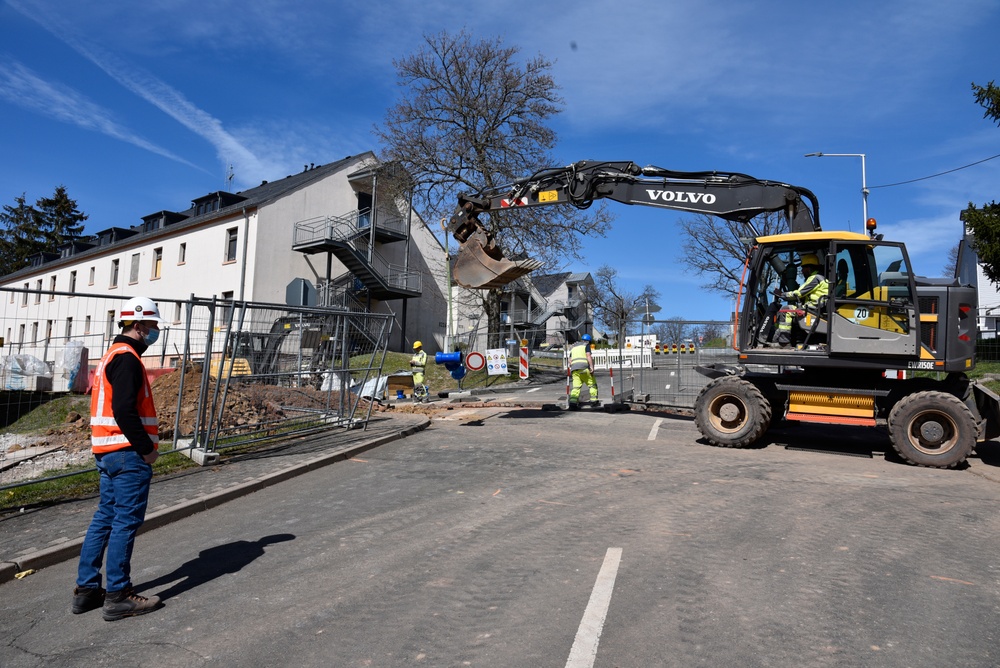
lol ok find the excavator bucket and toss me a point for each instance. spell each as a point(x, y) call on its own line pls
point(480, 264)
point(478, 268)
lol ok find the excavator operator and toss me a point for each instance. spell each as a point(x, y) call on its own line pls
point(810, 295)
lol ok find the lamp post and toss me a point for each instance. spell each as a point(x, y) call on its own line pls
point(864, 185)
point(447, 261)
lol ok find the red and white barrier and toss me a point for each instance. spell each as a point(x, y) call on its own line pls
point(522, 364)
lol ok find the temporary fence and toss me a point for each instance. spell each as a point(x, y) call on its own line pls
point(225, 373)
point(662, 368)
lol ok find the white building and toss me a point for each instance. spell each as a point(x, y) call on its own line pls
point(336, 226)
point(542, 309)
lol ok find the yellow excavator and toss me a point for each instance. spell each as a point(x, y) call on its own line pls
point(885, 348)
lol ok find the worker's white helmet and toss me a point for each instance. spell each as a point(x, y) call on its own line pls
point(138, 308)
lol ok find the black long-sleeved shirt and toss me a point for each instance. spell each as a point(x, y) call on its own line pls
point(127, 376)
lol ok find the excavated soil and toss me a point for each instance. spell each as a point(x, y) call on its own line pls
point(244, 405)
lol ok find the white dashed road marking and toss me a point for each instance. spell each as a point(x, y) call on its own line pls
point(654, 430)
point(584, 650)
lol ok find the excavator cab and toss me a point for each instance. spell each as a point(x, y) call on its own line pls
point(870, 306)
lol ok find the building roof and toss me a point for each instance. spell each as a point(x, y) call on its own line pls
point(251, 198)
point(546, 284)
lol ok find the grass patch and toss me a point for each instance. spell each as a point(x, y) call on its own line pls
point(49, 414)
point(83, 482)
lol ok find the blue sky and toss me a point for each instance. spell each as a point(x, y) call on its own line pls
point(138, 107)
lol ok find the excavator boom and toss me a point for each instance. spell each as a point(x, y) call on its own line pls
point(481, 264)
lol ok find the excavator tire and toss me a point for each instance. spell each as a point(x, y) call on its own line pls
point(933, 429)
point(732, 412)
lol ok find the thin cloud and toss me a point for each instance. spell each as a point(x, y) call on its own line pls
point(158, 93)
point(22, 87)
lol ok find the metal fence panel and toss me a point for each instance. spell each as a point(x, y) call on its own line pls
point(225, 373)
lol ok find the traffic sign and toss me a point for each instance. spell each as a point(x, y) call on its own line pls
point(496, 362)
point(475, 361)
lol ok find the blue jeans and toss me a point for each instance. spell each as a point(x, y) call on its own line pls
point(125, 479)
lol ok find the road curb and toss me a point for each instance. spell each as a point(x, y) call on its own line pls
point(70, 549)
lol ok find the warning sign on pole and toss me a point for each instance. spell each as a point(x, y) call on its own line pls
point(496, 362)
point(475, 361)
point(522, 364)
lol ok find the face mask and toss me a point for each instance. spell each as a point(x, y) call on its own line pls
point(151, 337)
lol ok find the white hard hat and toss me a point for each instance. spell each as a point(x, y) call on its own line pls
point(139, 308)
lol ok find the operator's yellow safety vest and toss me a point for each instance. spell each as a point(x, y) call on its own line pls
point(818, 289)
point(578, 357)
point(105, 434)
point(419, 360)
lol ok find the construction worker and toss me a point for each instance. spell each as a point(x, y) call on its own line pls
point(417, 364)
point(124, 438)
point(581, 366)
point(812, 294)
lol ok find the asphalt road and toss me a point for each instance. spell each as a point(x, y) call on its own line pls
point(516, 537)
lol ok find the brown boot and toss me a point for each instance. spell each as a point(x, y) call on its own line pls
point(126, 603)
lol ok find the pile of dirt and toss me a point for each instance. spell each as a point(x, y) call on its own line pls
point(245, 405)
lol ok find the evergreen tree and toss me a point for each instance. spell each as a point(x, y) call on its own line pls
point(984, 224)
point(988, 97)
point(26, 230)
point(21, 235)
point(61, 220)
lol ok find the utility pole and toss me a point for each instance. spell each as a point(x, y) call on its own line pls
point(447, 263)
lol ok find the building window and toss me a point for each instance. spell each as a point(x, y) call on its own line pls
point(111, 322)
point(38, 291)
point(24, 298)
point(86, 325)
point(93, 272)
point(157, 262)
point(34, 332)
point(225, 312)
point(20, 334)
point(48, 331)
point(177, 313)
point(182, 254)
point(114, 273)
point(69, 328)
point(231, 244)
point(133, 274)
point(52, 288)
point(72, 281)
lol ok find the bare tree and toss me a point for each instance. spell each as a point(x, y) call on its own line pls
point(473, 116)
point(615, 307)
point(717, 248)
point(711, 333)
point(673, 330)
point(951, 263)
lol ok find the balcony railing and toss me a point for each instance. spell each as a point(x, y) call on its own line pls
point(351, 230)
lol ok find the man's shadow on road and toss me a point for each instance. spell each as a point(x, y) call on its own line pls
point(213, 563)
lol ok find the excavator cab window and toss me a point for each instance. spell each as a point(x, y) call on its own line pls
point(873, 307)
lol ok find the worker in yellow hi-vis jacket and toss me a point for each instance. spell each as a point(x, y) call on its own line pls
point(581, 366)
point(417, 364)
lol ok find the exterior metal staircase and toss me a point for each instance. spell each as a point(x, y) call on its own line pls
point(538, 315)
point(350, 239)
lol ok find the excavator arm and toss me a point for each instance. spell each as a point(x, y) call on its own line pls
point(480, 262)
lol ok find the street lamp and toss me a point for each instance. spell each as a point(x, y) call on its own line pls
point(447, 262)
point(864, 185)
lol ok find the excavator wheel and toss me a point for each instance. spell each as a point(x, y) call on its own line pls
point(732, 412)
point(933, 429)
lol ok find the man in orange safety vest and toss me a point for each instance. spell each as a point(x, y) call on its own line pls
point(124, 438)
